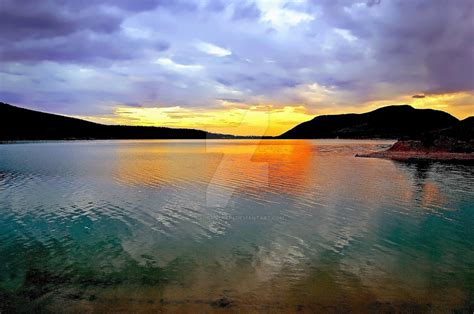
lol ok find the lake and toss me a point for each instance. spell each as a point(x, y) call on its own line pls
point(271, 225)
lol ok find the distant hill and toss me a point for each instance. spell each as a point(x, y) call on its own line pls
point(459, 138)
point(391, 122)
point(464, 130)
point(24, 124)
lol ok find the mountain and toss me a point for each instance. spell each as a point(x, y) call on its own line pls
point(24, 124)
point(464, 130)
point(457, 139)
point(387, 122)
point(391, 122)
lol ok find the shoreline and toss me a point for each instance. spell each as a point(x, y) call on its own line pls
point(35, 141)
point(419, 156)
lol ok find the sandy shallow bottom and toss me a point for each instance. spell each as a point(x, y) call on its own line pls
point(130, 300)
point(224, 305)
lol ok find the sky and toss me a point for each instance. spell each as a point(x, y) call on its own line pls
point(240, 67)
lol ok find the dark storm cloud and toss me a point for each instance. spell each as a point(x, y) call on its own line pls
point(46, 21)
point(216, 5)
point(50, 18)
point(425, 35)
point(371, 3)
point(246, 11)
point(79, 47)
point(70, 31)
point(192, 53)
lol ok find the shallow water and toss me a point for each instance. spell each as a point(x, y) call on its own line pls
point(241, 224)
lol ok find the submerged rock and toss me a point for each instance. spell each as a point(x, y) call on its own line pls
point(222, 303)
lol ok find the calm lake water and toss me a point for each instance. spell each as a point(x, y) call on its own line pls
point(276, 225)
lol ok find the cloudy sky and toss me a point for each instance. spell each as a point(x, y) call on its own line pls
point(241, 67)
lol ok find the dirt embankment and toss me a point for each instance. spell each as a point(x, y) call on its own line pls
point(443, 149)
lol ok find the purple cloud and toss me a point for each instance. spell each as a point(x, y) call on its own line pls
point(87, 56)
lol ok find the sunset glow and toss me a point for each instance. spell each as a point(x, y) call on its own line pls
point(269, 120)
point(236, 156)
point(252, 67)
point(254, 120)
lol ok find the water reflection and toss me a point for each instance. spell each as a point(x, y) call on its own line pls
point(179, 224)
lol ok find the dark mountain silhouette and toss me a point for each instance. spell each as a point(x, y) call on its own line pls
point(391, 122)
point(24, 124)
point(459, 138)
point(464, 130)
point(387, 122)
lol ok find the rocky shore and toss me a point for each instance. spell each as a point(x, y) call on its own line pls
point(452, 144)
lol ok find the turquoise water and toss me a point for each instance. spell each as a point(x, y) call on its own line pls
point(274, 225)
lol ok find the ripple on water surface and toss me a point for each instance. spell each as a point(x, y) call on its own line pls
point(186, 224)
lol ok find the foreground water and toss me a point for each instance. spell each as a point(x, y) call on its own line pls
point(235, 224)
